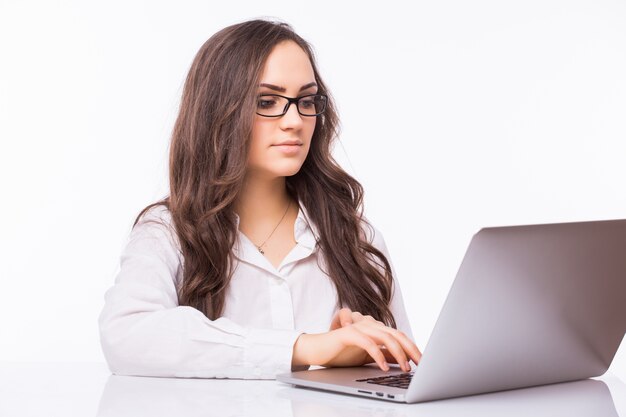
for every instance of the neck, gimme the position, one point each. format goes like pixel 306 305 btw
pixel 262 198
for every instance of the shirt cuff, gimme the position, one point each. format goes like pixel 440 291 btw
pixel 269 351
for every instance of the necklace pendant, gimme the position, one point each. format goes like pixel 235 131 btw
pixel 268 238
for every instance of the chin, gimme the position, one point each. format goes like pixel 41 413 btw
pixel 288 173
pixel 286 169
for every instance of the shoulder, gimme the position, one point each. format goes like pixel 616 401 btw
pixel 373 235
pixel 156 227
pixel 158 213
pixel 156 218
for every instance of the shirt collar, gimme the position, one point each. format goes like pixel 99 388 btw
pixel 305 231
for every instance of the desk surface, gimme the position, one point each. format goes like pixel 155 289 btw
pixel 88 389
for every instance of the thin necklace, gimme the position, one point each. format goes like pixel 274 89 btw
pixel 259 247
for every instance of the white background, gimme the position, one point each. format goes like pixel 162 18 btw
pixel 456 115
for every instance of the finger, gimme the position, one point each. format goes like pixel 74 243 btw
pixel 389 356
pixel 419 355
pixel 409 347
pixel 370 318
pixel 341 318
pixel 407 344
pixel 392 345
pixel 373 320
pixel 345 317
pixel 356 317
pixel 394 349
pixel 352 336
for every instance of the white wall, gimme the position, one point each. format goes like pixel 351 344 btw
pixel 456 115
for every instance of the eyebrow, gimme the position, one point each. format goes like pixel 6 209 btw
pixel 283 89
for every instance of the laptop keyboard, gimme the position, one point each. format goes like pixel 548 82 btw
pixel 397 381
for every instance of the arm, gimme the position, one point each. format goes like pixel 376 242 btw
pixel 143 330
pixel 355 339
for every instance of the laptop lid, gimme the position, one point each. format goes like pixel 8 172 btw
pixel 530 305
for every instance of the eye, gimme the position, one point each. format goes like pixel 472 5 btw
pixel 265 103
pixel 307 103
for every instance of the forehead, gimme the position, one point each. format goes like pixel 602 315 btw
pixel 288 66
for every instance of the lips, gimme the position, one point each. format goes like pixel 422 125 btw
pixel 288 147
pixel 289 143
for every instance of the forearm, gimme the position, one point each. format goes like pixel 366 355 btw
pixel 182 342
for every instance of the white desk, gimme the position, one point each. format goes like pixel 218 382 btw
pixel 75 389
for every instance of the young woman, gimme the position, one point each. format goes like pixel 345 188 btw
pixel 260 260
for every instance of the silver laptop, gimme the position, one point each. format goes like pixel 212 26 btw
pixel 530 305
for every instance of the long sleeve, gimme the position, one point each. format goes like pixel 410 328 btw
pixel 143 330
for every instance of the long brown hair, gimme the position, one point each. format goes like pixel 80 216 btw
pixel 207 164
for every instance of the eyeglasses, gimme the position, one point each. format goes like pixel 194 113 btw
pixel 275 105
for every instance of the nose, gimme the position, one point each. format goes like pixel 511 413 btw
pixel 292 119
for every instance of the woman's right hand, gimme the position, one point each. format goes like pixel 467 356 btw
pixel 356 343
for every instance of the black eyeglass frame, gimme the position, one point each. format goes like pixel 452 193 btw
pixel 295 101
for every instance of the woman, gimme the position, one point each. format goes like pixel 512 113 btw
pixel 242 270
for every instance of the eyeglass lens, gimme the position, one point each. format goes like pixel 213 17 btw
pixel 274 105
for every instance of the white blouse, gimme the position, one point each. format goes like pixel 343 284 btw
pixel 143 330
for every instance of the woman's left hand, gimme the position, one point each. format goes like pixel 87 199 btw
pixel 345 317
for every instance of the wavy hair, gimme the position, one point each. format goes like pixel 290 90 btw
pixel 207 165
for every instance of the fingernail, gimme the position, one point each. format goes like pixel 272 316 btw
pixel 385 366
pixel 408 366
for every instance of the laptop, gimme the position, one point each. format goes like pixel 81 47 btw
pixel 530 305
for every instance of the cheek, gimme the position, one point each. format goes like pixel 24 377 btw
pixel 310 127
pixel 261 137
pixel 260 132
pixel 259 142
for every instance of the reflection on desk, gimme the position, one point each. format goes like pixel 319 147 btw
pixel 574 399
pixel 136 396
pixel 84 389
